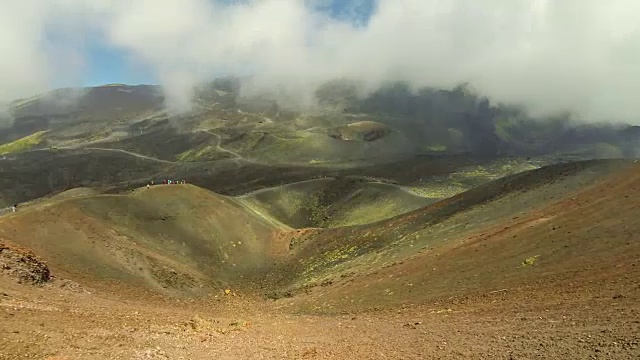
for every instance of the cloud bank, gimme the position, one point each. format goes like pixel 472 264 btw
pixel 552 55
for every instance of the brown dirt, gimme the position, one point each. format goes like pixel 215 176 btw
pixel 54 323
pixel 22 264
pixel 547 269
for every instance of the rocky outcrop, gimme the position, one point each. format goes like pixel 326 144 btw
pixel 360 131
pixel 23 265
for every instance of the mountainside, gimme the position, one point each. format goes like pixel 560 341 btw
pixel 190 240
pixel 396 224
pixel 555 216
pixel 390 122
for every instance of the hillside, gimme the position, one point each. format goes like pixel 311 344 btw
pixel 227 237
pixel 334 202
pixel 167 238
pixel 551 249
pixel 401 223
pixel 554 216
pixel 389 123
pixel 554 242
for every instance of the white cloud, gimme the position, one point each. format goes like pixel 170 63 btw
pixel 582 55
pixel 23 62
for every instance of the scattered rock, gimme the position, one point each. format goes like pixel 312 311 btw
pixel 72 286
pixel 156 353
pixel 199 325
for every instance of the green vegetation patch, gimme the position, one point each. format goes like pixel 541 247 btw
pixel 530 261
pixel 23 144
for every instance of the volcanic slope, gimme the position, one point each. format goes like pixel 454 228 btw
pixel 559 225
pixel 542 262
pixel 334 202
pixel 173 239
pixel 187 240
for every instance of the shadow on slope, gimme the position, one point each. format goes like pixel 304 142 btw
pixel 34 174
pixel 317 147
pixel 40 173
pixel 165 143
pixel 173 239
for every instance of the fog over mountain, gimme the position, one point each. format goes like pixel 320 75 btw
pixel 581 56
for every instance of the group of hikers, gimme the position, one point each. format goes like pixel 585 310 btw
pixel 173 182
pixel 167 182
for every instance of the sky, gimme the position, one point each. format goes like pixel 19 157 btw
pixel 550 55
pixel 110 64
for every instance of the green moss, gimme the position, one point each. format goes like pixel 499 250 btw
pixel 23 144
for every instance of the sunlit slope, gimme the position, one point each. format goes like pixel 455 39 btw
pixel 542 225
pixel 172 237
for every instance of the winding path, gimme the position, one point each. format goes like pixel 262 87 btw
pixel 132 154
pixel 260 191
pixel 237 156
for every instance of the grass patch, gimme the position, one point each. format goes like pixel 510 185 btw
pixel 23 144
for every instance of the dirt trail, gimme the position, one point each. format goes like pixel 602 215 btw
pixel 132 154
pixel 237 157
pixel 141 156
pixel 273 188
